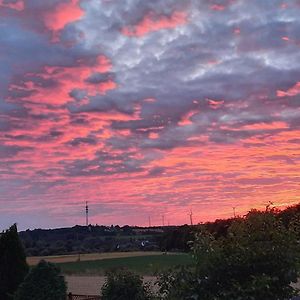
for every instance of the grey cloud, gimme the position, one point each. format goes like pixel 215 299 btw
pixel 156 171
pixel 8 151
pixel 83 140
pixel 105 164
pixel 97 78
pixel 78 94
pixel 198 61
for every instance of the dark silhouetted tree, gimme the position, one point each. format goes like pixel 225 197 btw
pixel 13 266
pixel 44 282
pixel 125 285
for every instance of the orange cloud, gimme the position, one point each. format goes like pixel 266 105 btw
pixel 186 119
pixel 266 126
pixel 152 22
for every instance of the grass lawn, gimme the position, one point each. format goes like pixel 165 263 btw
pixel 144 265
pixel 34 260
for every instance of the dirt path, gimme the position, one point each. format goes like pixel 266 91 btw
pixel 91 285
pixel 88 257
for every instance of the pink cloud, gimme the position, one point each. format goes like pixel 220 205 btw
pixel 266 126
pixel 19 5
pixel 241 152
pixel 63 14
pixel 214 104
pixel 186 119
pixel 293 91
pixel 152 22
pixel 217 7
pixel 237 31
pixel 67 78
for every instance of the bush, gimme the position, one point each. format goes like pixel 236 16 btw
pixel 13 266
pixel 125 285
pixel 44 282
pixel 256 260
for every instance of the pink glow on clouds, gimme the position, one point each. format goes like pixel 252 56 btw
pixel 63 14
pixel 237 31
pixel 144 137
pixel 293 91
pixel 68 78
pixel 19 5
pixel 186 119
pixel 152 22
pixel 214 104
pixel 264 126
pixel 217 7
pixel 284 5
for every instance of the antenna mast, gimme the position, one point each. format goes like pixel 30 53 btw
pixel 163 220
pixel 191 217
pixel 86 214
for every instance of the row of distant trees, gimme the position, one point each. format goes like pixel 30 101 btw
pixel 61 241
pixel 177 239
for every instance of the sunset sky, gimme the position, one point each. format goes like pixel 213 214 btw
pixel 147 108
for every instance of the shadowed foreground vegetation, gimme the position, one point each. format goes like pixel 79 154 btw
pixel 257 258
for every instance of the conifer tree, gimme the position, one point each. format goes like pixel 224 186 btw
pixel 13 266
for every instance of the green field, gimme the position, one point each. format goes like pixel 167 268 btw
pixel 144 265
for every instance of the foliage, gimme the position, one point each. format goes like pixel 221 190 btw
pixel 44 281
pixel 125 285
pixel 177 238
pixel 288 215
pixel 13 266
pixel 257 259
pixel 95 238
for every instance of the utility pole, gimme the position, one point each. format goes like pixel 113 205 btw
pixel 149 219
pixel 86 214
pixel 234 215
pixel 163 220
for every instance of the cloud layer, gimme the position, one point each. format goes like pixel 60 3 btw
pixel 147 108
